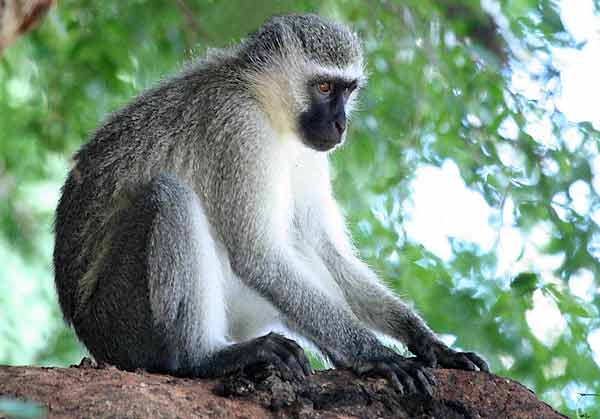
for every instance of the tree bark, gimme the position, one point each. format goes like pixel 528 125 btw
pixel 89 391
pixel 20 16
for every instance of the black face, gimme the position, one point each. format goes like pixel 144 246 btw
pixel 322 126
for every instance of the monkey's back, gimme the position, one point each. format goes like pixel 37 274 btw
pixel 149 136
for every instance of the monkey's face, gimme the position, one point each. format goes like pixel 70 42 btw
pixel 323 124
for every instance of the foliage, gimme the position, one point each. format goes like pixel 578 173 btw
pixel 442 95
pixel 22 410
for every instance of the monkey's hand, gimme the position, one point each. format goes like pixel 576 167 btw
pixel 438 355
pixel 405 375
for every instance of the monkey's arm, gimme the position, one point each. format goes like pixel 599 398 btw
pixel 379 308
pixel 283 279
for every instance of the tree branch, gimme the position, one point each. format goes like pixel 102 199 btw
pixel 88 391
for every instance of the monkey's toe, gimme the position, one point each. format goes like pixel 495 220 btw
pixel 404 375
pixel 283 354
pixel 468 361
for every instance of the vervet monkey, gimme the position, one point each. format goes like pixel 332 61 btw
pixel 201 216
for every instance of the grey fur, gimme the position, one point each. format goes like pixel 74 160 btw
pixel 187 174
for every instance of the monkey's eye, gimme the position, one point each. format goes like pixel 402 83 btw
pixel 325 87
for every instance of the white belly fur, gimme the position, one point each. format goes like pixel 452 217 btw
pixel 249 315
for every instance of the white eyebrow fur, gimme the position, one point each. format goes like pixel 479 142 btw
pixel 353 72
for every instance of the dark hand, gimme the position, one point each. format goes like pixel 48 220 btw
pixel 405 375
pixel 438 355
pixel 276 350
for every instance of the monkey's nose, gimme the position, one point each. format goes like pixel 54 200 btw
pixel 340 123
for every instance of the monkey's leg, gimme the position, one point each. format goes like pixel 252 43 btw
pixel 159 302
pixel 158 299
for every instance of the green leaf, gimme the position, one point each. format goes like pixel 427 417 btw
pixel 525 282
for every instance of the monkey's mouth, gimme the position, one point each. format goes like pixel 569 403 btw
pixel 324 145
pixel 324 139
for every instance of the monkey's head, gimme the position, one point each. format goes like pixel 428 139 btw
pixel 306 71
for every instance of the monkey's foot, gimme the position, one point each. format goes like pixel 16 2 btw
pixel 405 375
pixel 275 350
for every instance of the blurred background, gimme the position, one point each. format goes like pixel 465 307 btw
pixel 471 177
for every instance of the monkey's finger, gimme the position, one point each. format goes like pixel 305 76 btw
pixel 387 372
pixel 477 360
pixel 291 362
pixel 268 352
pixel 419 364
pixel 287 373
pixel 368 368
pixel 305 363
pixel 289 359
pixel 294 354
pixel 427 358
pixel 407 381
pixel 430 377
pixel 401 371
pixel 395 382
pixel 423 380
pixel 298 352
pixel 461 362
